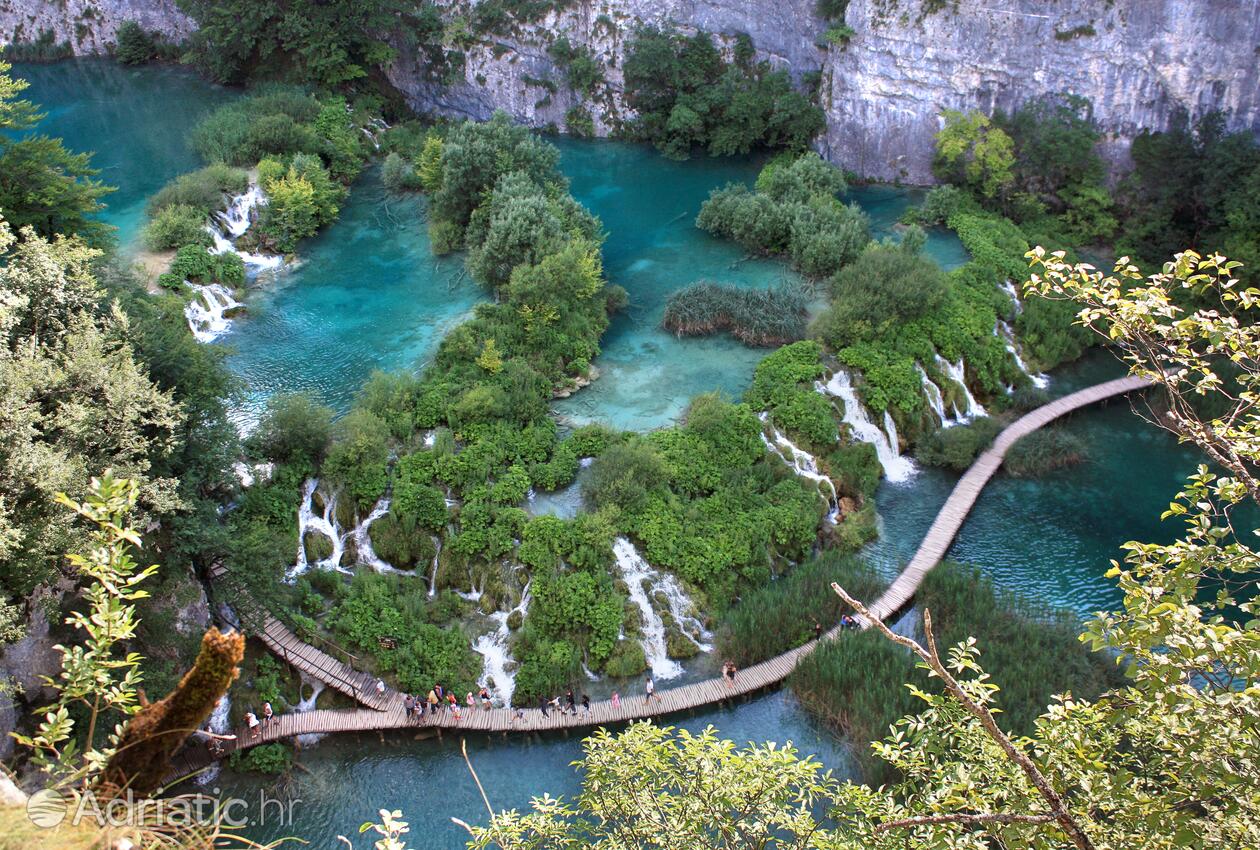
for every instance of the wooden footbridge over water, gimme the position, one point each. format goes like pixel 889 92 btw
pixel 383 708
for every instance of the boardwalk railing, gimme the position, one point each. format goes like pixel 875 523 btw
pixel 385 709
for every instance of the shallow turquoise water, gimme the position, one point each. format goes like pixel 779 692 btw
pixel 369 295
pixel 134 120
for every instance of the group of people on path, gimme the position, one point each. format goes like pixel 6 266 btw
pixel 440 698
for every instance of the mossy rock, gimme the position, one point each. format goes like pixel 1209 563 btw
pixel 627 659
pixel 345 513
pixel 678 645
pixel 632 618
pixel 515 620
pixel 317 503
pixel 318 547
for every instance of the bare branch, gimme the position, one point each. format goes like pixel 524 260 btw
pixel 1055 802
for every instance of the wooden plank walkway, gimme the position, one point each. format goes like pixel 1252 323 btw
pixel 385 711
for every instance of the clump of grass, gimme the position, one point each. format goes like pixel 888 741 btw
pixel 779 616
pixel 857 683
pixel 757 317
pixel 1045 451
pixel 45 48
pixel 957 447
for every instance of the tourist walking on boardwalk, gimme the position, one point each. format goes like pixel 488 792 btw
pixel 268 715
pixel 586 703
pixel 251 720
pixel 817 631
pixel 380 687
pixel 433 700
pixel 469 701
pixel 728 670
pixel 555 703
pixel 542 706
pixel 649 691
pixel 409 705
pixel 616 700
pixel 451 702
pixel 570 703
pixel 485 698
pixel 455 709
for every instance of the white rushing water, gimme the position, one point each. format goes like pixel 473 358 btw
pixel 1009 288
pixel 1040 379
pixel 497 671
pixel 803 463
pixel 935 400
pixel 957 372
pixel 226 226
pixel 327 526
pixel 308 704
pixel 896 467
pixel 205 312
pixel 637 572
pixel 219 725
pixel 433 568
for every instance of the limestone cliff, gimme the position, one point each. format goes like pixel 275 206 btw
pixel 1137 61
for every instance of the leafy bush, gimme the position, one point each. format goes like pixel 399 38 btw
pixel 205 189
pixel 358 459
pixel 299 203
pixel 133 45
pixel 196 264
pixel 277 121
pixel 625 476
pixel 177 225
pixel 274 758
pixel 397 174
pixel 958 447
pixel 294 430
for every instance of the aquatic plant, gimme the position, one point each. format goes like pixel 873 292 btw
pixel 759 317
pixel 1045 451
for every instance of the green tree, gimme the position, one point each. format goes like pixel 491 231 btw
pixel 972 152
pixel 42 185
pixel 133 45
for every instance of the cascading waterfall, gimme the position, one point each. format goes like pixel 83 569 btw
pixel 1009 288
pixel 205 312
pixel 896 467
pixel 308 704
pixel 957 373
pixel 327 526
pixel 803 463
pixel 218 724
pixel 433 569
pixel 935 400
pixel 636 571
pixel 226 226
pixel 1040 379
pixel 363 540
pixel 493 648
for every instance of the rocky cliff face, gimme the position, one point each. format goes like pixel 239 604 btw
pixel 89 25
pixel 1138 61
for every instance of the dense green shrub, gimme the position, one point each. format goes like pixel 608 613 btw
pixel 206 189
pixel 302 200
pixel 197 264
pixel 772 619
pixel 401 541
pixel 625 476
pixel 45 48
pixel 359 457
pixel 274 758
pixel 958 447
pixel 294 429
pixel 398 175
pixel 760 317
pixel 133 45
pixel 686 96
pixel 175 226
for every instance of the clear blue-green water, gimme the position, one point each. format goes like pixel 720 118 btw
pixel 368 294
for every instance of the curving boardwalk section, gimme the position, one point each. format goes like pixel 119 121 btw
pixel 385 710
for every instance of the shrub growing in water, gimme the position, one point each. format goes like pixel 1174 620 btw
pixel 761 317
pixel 958 447
pixel 205 189
pixel 175 226
pixel 1045 451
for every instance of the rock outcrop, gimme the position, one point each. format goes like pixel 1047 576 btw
pixel 1139 62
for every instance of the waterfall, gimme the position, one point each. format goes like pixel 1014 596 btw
pixel 249 475
pixel 1040 379
pixel 636 571
pixel 205 311
pixel 890 428
pixel 363 541
pixel 325 525
pixel 1009 288
pixel 493 648
pixel 219 725
pixel 957 373
pixel 308 704
pixel 935 400
pixel 896 467
pixel 226 226
pixel 437 552
pixel 803 463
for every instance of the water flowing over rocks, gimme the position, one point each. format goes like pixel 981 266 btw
pixel 1040 380
pixel 498 668
pixel 218 724
pixel 226 226
pixel 637 573
pixel 935 399
pixel 957 372
pixel 207 312
pixel 887 449
pixel 803 464
pixel 325 524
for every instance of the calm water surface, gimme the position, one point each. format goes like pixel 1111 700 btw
pixel 368 294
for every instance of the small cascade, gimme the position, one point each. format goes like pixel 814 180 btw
pixel 1009 288
pixel 636 572
pixel 896 467
pixel 226 226
pixel 935 400
pixel 308 704
pixel 433 570
pixel 205 312
pixel 250 475
pixel 803 463
pixel 363 540
pixel 957 373
pixel 1040 379
pixel 326 525
pixel 218 724
pixel 493 648
pixel 890 428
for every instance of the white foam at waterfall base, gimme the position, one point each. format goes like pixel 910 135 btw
pixel 496 656
pixel 308 704
pixel 803 463
pixel 636 571
pixel 957 373
pixel 1040 380
pixel 896 467
pixel 205 311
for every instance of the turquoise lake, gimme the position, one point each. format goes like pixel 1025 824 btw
pixel 368 294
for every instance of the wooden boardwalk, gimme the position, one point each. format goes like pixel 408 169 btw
pixel 386 711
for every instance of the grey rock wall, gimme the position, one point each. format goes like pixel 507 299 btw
pixel 89 25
